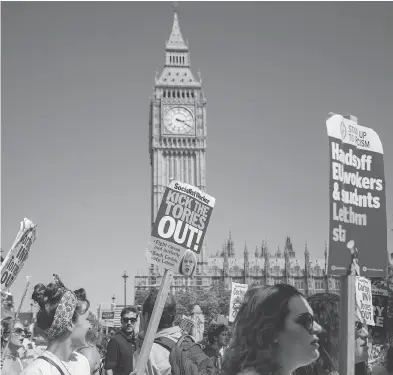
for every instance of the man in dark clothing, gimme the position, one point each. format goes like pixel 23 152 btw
pixel 218 338
pixel 121 348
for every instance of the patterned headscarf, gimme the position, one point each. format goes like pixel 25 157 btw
pixel 64 312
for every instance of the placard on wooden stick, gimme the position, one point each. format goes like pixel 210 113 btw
pixel 357 203
pixel 177 236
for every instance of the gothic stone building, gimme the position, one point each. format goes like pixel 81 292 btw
pixel 259 267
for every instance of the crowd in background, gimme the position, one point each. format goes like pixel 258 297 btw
pixel 276 331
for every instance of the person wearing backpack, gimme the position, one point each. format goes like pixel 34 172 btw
pixel 172 352
pixel 158 363
pixel 217 336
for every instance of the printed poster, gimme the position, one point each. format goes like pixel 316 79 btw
pixel 364 300
pixel 380 304
pixel 180 228
pixel 18 254
pixel 237 296
pixel 357 200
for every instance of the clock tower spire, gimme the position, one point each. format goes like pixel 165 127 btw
pixel 177 123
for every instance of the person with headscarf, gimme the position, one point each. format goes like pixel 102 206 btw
pixel 63 316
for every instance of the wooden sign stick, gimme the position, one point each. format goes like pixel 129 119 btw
pixel 154 321
pixel 347 325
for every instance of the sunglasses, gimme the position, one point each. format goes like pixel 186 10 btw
pixel 19 331
pixel 307 321
pixel 132 320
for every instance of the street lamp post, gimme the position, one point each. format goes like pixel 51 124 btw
pixel 125 277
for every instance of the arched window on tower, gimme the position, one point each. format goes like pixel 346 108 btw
pixel 188 94
pixel 169 94
pixel 182 94
pixel 164 94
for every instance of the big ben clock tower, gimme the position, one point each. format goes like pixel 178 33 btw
pixel 177 124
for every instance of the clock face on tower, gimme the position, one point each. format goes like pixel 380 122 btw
pixel 179 120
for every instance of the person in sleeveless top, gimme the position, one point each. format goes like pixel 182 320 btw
pixel 63 318
pixel 90 351
pixel 274 333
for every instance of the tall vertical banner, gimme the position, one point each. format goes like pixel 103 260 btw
pixel 18 254
pixel 237 297
pixel 180 228
pixel 357 200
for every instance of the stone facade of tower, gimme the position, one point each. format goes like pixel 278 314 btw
pixel 177 125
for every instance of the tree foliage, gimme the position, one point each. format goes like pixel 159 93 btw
pixel 213 301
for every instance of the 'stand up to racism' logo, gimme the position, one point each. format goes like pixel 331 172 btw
pixel 343 130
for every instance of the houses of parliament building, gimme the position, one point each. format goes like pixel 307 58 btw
pixel 177 148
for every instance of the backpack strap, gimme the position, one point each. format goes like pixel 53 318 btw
pixel 165 342
pixel 52 363
pixel 180 341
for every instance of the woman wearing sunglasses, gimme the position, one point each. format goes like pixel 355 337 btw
pixel 63 317
pixel 12 364
pixel 274 333
pixel 326 307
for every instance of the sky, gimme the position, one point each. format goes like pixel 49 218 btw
pixel 76 82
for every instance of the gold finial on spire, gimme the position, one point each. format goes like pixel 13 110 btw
pixel 175 5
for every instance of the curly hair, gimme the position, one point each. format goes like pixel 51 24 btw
pixel 260 317
pixel 48 298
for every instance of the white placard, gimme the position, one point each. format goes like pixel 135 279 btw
pixel 237 296
pixel 364 300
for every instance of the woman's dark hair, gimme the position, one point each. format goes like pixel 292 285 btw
pixel 326 312
pixel 260 318
pixel 6 325
pixel 169 312
pixel 48 298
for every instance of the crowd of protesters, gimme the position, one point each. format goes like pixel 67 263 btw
pixel 276 331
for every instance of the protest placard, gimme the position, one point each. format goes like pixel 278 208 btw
pixel 358 229
pixel 364 300
pixel 179 229
pixel 107 315
pixel 186 324
pixel 180 225
pixel 237 296
pixel 18 254
pixel 380 303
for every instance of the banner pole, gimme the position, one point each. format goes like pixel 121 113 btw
pixel 154 321
pixel 347 325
